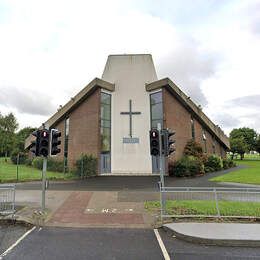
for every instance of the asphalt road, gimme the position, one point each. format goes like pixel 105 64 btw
pixel 9 233
pixel 72 243
pixel 112 183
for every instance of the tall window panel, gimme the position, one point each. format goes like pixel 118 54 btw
pixel 66 143
pixel 105 122
pixel 213 145
pixel 156 109
pixel 204 139
pixel 105 132
pixel 192 128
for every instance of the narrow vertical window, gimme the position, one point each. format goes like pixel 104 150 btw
pixel 66 143
pixel 156 108
pixel 105 132
pixel 192 128
pixel 204 139
pixel 213 145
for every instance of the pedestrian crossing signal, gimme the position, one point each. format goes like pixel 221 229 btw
pixel 154 142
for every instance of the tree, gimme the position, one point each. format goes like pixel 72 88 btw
pixel 238 145
pixel 248 134
pixel 8 126
pixel 21 136
pixel 257 146
pixel 195 149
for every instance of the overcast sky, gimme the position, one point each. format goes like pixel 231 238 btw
pixel 49 50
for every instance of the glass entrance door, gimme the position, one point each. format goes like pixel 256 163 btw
pixel 155 164
pixel 105 163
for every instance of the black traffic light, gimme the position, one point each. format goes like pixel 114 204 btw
pixel 34 147
pixel 44 142
pixel 55 142
pixel 170 142
pixel 154 142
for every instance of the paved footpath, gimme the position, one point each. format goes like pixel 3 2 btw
pixel 88 208
pixel 99 209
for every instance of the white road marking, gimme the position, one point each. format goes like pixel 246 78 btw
pixel 161 244
pixel 16 243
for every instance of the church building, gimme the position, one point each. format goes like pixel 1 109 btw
pixel 111 117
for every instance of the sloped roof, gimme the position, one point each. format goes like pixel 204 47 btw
pixel 74 101
pixel 195 110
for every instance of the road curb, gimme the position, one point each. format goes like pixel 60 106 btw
pixel 8 221
pixel 237 184
pixel 215 242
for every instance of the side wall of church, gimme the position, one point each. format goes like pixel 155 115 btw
pixel 178 118
pixel 84 130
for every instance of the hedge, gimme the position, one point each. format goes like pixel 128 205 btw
pixel 86 166
pixel 52 164
pixel 187 166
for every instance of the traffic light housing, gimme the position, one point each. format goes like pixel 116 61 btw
pixel 55 142
pixel 154 142
pixel 169 142
pixel 44 142
pixel 34 147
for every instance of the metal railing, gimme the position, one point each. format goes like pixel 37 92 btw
pixel 216 198
pixel 7 199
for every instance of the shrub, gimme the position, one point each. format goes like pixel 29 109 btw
pixel 228 163
pixel 214 163
pixel 208 169
pixel 52 164
pixel 193 148
pixel 187 166
pixel 22 157
pixel 86 166
pixel 37 162
pixel 28 162
pixel 55 165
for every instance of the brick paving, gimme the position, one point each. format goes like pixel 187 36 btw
pixel 73 212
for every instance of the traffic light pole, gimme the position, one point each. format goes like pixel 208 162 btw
pixel 162 166
pixel 44 168
pixel 162 170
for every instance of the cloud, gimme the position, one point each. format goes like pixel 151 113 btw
pixel 226 120
pixel 252 101
pixel 253 120
pixel 253 12
pixel 188 65
pixel 26 101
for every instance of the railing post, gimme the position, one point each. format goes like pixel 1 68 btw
pixel 13 206
pixel 161 201
pixel 216 200
pixel 17 166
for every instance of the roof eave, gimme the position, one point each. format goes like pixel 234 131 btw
pixel 74 101
pixel 191 106
pixel 69 106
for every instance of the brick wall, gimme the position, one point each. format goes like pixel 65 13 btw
pixel 84 129
pixel 178 118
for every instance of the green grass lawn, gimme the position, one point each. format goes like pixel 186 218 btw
pixel 26 173
pixel 249 175
pixel 197 207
